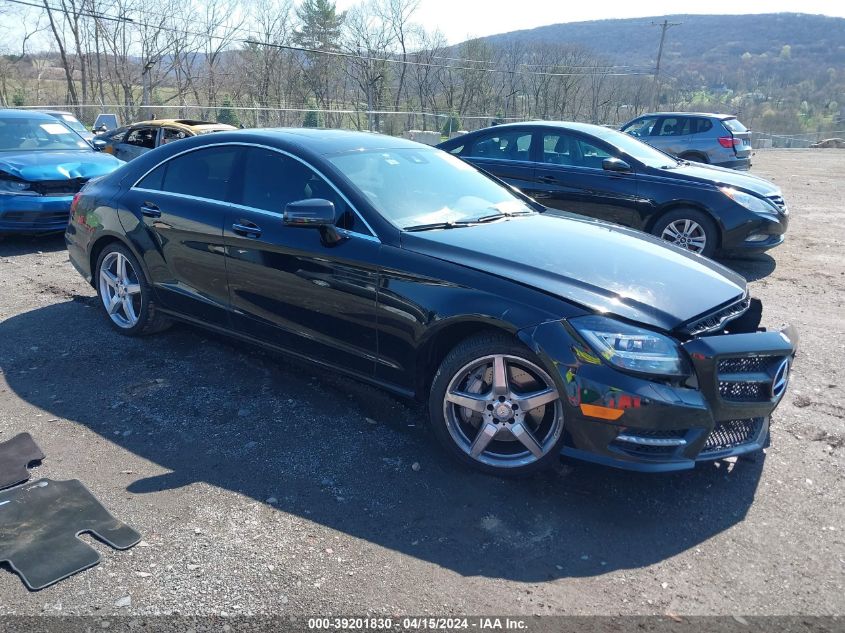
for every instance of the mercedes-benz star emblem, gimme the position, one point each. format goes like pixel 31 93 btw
pixel 780 379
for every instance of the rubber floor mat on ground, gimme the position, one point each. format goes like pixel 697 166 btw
pixel 15 455
pixel 39 525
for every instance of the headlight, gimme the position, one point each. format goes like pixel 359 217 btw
pixel 752 203
pixel 9 186
pixel 630 347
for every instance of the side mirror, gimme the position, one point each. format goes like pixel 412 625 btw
pixel 314 213
pixel 99 144
pixel 616 164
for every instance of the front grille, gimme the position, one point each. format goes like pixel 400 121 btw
pixel 732 433
pixel 743 365
pixel 779 202
pixel 718 319
pixel 58 187
pixel 742 391
pixel 747 378
pixel 35 218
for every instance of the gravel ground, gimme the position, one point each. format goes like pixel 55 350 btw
pixel 265 486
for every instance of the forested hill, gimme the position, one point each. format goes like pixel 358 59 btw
pixel 813 39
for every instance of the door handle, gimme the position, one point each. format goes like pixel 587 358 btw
pixel 150 210
pixel 247 229
pixel 547 179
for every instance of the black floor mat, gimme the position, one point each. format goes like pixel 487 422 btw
pixel 39 523
pixel 15 456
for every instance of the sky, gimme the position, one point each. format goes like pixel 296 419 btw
pixel 461 19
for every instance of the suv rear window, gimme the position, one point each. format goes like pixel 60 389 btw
pixel 734 125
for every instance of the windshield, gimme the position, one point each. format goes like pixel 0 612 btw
pixel 414 187
pixel 642 152
pixel 73 123
pixel 18 133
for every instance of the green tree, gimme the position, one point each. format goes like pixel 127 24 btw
pixel 320 25
pixel 312 118
pixel 18 98
pixel 227 114
pixel 452 124
pixel 786 52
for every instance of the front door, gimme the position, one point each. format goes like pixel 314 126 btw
pixel 570 177
pixel 287 286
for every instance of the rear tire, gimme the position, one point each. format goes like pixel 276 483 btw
pixel 495 408
pixel 690 229
pixel 125 294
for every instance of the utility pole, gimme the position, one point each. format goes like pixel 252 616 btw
pixel 664 26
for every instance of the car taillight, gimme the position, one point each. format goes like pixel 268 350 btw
pixel 74 202
pixel 729 141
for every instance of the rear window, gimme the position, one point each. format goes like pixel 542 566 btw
pixel 734 125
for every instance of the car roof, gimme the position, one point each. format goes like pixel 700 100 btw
pixel 712 115
pixel 186 123
pixel 320 140
pixel 587 128
pixel 24 114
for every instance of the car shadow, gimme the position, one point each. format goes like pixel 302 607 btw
pixel 14 245
pixel 348 455
pixel 752 267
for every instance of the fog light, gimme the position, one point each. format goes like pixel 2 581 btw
pixel 757 237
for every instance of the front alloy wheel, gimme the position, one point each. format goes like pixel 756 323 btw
pixel 687 234
pixel 501 411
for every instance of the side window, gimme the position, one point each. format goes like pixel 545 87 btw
pixel 700 126
pixel 118 136
pixel 204 173
pixel 169 134
pixel 505 145
pixel 565 149
pixel 641 127
pixel 273 180
pixel 457 150
pixel 142 137
pixel 559 149
pixel 673 126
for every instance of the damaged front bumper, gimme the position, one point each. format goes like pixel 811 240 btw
pixel 721 410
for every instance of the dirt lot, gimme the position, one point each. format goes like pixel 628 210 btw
pixel 264 486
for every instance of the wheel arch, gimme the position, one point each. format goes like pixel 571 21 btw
pixel 675 205
pixel 101 243
pixel 700 155
pixel 439 342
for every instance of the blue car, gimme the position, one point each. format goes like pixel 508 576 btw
pixel 43 164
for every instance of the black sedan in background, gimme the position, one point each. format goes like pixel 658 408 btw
pixel 528 334
pixel 605 174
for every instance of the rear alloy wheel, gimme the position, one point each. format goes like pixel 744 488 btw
pixel 690 229
pixel 124 293
pixel 495 408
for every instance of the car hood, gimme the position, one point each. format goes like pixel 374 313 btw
pixel 721 176
pixel 603 267
pixel 45 165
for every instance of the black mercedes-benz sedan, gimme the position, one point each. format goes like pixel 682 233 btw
pixel 528 334
pixel 606 174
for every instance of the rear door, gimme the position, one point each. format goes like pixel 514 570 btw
pixel 505 153
pixel 570 177
pixel 289 288
pixel 138 140
pixel 741 135
pixel 181 206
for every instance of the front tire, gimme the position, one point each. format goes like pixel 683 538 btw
pixel 690 229
pixel 495 408
pixel 125 294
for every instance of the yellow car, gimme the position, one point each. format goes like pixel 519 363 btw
pixel 130 141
